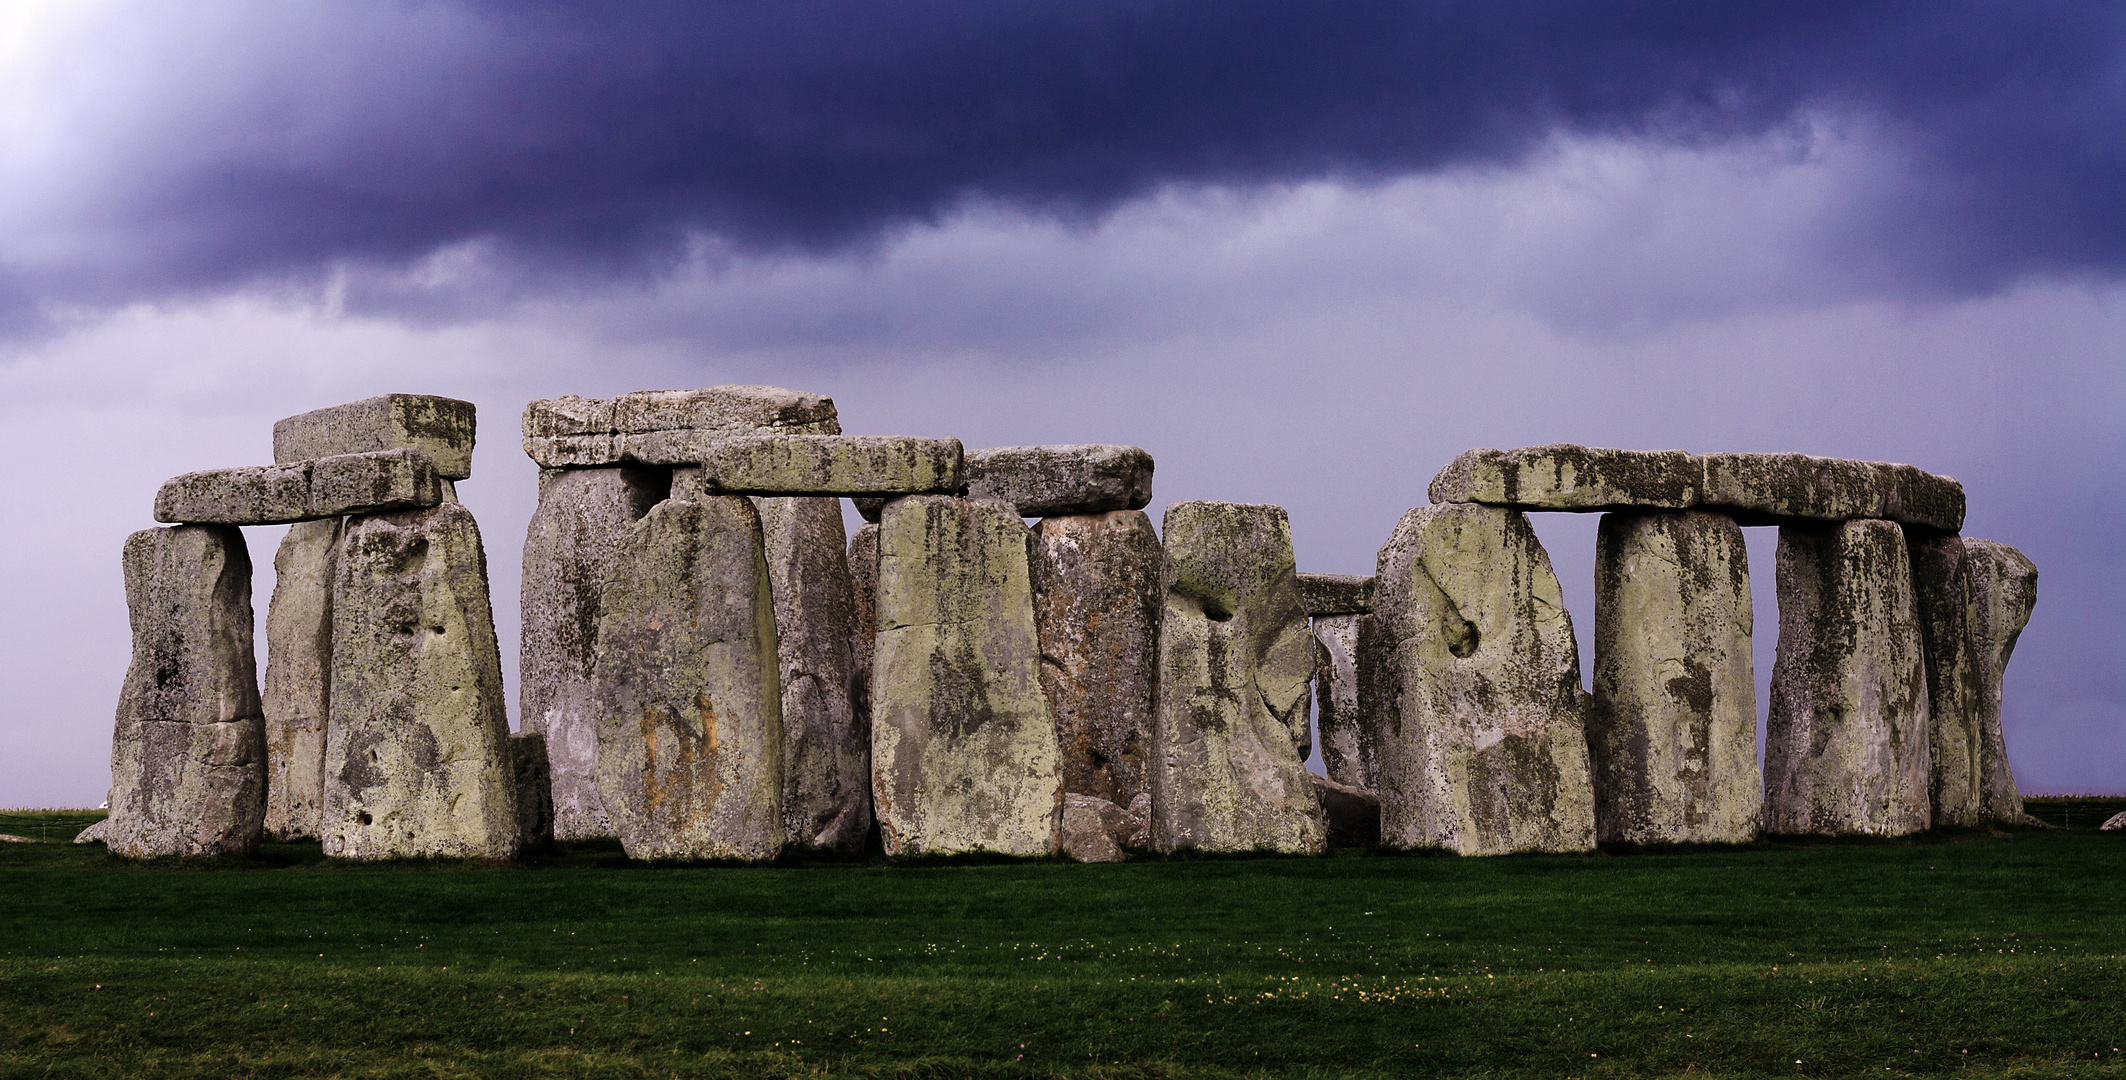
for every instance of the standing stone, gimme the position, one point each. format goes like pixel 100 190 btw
pixel 568 551
pixel 1472 680
pixel 1350 751
pixel 1974 597
pixel 1846 744
pixel 687 693
pixel 534 779
pixel 298 687
pixel 1672 727
pixel 963 747
pixel 417 754
pixel 2003 594
pixel 1096 605
pixel 826 797
pixel 863 580
pixel 188 755
pixel 1235 666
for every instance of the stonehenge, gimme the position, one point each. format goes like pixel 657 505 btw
pixel 1008 658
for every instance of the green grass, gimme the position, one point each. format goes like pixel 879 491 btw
pixel 1975 954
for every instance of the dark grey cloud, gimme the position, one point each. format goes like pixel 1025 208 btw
pixel 587 143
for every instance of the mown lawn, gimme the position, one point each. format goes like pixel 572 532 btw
pixel 1980 954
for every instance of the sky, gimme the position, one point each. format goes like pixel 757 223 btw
pixel 1302 253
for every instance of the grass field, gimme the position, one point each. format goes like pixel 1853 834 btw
pixel 1977 954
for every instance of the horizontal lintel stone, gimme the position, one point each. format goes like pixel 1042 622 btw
pixel 838 465
pixel 1335 594
pixel 1052 481
pixel 328 487
pixel 666 427
pixel 441 427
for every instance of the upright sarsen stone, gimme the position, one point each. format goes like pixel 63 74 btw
pixel 188 752
pixel 964 754
pixel 1472 682
pixel 1350 751
pixel 863 580
pixel 1235 666
pixel 687 689
pixel 417 755
pixel 1096 606
pixel 826 797
pixel 2003 594
pixel 1672 727
pixel 298 686
pixel 1974 597
pixel 1847 743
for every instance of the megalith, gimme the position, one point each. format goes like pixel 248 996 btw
pixel 1096 608
pixel 1471 678
pixel 2003 595
pixel 826 797
pixel 687 688
pixel 1350 751
pixel 188 756
pixel 1974 596
pixel 1672 725
pixel 1236 663
pixel 964 755
pixel 1846 741
pixel 863 580
pixel 298 687
pixel 417 753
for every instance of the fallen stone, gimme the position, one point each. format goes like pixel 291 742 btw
pixel 11 838
pixel 188 755
pixel 533 778
pixel 297 693
pixel 964 754
pixel 417 754
pixel 304 491
pixel 1335 594
pixel 1846 743
pixel 666 427
pixel 1095 830
pixel 440 427
pixel 2114 823
pixel 1096 609
pixel 94 834
pixel 1672 726
pixel 826 796
pixel 1350 751
pixel 834 465
pixel 2003 595
pixel 1236 663
pixel 1353 813
pixel 1048 481
pixel 688 695
pixel 568 551
pixel 1469 671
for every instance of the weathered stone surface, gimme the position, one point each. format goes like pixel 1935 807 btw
pixel 94 834
pixel 303 491
pixel 417 753
pixel 298 689
pixel 440 427
pixel 1672 726
pixel 1047 481
pixel 1096 830
pixel 964 754
pixel 188 755
pixel 1471 677
pixel 831 465
pixel 533 777
pixel 1350 751
pixel 1846 743
pixel 863 582
pixel 1562 476
pixel 1096 607
pixel 1335 594
pixel 1771 488
pixel 666 427
pixel 1941 582
pixel 688 693
pixel 2112 824
pixel 1353 813
pixel 870 507
pixel 1235 666
pixel 568 551
pixel 826 796
pixel 2003 594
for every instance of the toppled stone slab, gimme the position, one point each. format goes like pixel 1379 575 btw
pixel 1470 673
pixel 1350 751
pixel 1756 488
pixel 94 834
pixel 1353 813
pixel 533 778
pixel 1672 726
pixel 1096 830
pixel 297 692
pixel 188 755
pixel 303 491
pixel 417 753
pixel 964 755
pixel 826 797
pixel 440 427
pixel 2114 823
pixel 688 694
pixel 1046 481
pixel 1846 743
pixel 666 427
pixel 834 465
pixel 11 838
pixel 1335 594
pixel 1096 606
pixel 1236 664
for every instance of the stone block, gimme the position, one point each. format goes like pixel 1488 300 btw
pixel 1470 673
pixel 303 491
pixel 188 755
pixel 870 507
pixel 863 582
pixel 1350 751
pixel 964 755
pixel 826 796
pixel 836 465
pixel 533 776
pixel 1562 476
pixel 1672 726
pixel 1047 481
pixel 417 753
pixel 1335 594
pixel 1847 743
pixel 1096 607
pixel 1941 584
pixel 1236 663
pixel 2003 591
pixel 688 691
pixel 666 427
pixel 440 427
pixel 298 688
pixel 1095 830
